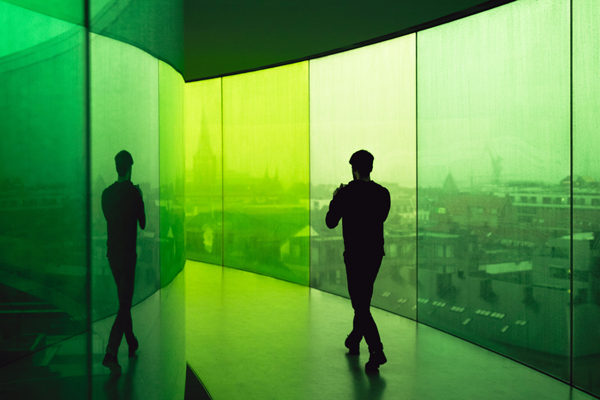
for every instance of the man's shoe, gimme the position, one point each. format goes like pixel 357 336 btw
pixel 112 363
pixel 376 359
pixel 354 348
pixel 133 348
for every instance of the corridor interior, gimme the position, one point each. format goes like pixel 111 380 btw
pixel 250 336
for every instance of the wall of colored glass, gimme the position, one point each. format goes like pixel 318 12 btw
pixel 73 95
pixel 483 129
pixel 365 99
pixel 494 164
pixel 585 271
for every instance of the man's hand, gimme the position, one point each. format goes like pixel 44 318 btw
pixel 338 189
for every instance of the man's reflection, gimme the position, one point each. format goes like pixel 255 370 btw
pixel 123 208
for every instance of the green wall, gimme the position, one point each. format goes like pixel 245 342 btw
pixel 493 131
pixel 155 26
pixel 476 127
pixel 474 134
pixel 43 262
pixel 172 164
pixel 124 110
pixel 586 214
pixel 71 99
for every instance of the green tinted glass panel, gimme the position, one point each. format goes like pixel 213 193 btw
pixel 124 116
pixel 366 99
pixel 203 171
pixel 30 32
pixel 265 169
pixel 43 263
pixel 493 166
pixel 172 240
pixel 586 194
pixel 66 10
pixel 170 329
pixel 156 26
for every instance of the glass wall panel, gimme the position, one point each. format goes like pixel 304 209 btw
pixel 156 26
pixel 43 261
pixel 171 330
pixel 266 172
pixel 65 10
pixel 204 171
pixel 172 240
pixel 493 171
pixel 124 116
pixel 586 192
pixel 366 99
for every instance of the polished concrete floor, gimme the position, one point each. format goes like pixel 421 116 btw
pixel 254 337
pixel 157 372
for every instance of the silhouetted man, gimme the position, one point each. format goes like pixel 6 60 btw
pixel 363 206
pixel 123 207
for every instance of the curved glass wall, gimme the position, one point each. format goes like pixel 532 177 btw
pixel 265 172
pixel 43 263
pixel 155 26
pixel 480 241
pixel 124 116
pixel 586 195
pixel 494 142
pixel 204 171
pixel 477 130
pixel 172 179
pixel 365 99
pixel 58 294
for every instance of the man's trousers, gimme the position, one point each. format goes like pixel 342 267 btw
pixel 361 271
pixel 123 270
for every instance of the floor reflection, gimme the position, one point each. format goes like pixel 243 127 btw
pixel 60 371
pixel 366 386
pixel 120 386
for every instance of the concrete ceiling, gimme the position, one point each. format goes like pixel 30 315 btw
pixel 228 36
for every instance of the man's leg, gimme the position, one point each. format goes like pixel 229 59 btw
pixel 353 279
pixel 126 297
pixel 123 269
pixel 361 273
pixel 371 332
pixel 116 332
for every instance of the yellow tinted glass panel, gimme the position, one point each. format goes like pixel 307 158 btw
pixel 265 168
pixel 203 171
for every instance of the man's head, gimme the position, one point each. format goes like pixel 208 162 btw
pixel 124 161
pixel 362 162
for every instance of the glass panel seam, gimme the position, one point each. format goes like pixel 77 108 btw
pixel 309 176
pixel 417 176
pixel 571 266
pixel 88 193
pixel 222 179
